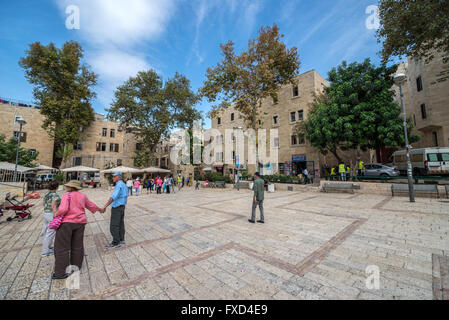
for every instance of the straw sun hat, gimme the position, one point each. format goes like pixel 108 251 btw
pixel 74 184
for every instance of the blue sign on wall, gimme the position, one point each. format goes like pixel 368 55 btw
pixel 299 159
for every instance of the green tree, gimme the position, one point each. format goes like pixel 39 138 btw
pixel 8 150
pixel 152 109
pixel 245 80
pixel 62 89
pixel 414 28
pixel 357 110
pixel 64 152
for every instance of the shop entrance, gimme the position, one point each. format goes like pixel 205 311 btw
pixel 300 163
pixel 298 167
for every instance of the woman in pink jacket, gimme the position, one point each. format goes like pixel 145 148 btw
pixel 69 244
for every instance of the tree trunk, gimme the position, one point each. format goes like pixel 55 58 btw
pixel 254 124
pixel 334 152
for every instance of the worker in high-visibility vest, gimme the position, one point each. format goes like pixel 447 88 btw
pixel 348 173
pixel 361 167
pixel 342 171
pixel 333 173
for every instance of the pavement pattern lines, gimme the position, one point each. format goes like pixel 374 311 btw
pixel 199 245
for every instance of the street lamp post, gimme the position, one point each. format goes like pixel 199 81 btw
pixel 21 122
pixel 399 79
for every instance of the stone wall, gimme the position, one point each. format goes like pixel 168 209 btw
pixel 13 188
pixel 309 85
pixel 36 137
pixel 96 158
pixel 383 189
pixel 434 96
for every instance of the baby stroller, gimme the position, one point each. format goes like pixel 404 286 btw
pixel 22 211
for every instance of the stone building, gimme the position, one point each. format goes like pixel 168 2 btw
pixel 105 144
pixel 294 152
pixel 33 136
pixel 426 97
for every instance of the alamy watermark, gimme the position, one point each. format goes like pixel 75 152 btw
pixel 373 21
pixel 228 147
pixel 73 281
pixel 373 277
pixel 73 20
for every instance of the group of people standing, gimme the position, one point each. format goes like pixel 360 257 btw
pixel 158 184
pixel 304 175
pixel 344 170
pixel 68 237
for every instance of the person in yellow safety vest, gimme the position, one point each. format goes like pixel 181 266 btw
pixel 348 173
pixel 361 167
pixel 342 171
pixel 179 182
pixel 333 173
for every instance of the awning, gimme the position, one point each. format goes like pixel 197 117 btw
pixel 123 170
pixel 43 168
pixel 207 169
pixel 11 167
pixel 155 170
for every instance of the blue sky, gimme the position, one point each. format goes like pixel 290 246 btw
pixel 122 37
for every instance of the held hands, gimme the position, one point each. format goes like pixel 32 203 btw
pixel 102 210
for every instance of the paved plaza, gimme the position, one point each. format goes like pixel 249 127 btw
pixel 199 245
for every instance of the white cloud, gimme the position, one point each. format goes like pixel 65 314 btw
pixel 337 9
pixel 244 12
pixel 115 67
pixel 121 22
pixel 250 15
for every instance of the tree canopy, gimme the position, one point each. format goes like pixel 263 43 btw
pixel 152 109
pixel 357 110
pixel 245 80
pixel 414 28
pixel 62 89
pixel 8 149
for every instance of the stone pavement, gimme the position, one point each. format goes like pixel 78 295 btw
pixel 199 245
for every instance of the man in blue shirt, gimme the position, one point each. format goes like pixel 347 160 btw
pixel 117 201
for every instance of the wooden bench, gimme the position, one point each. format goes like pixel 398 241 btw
pixel 339 187
pixel 420 188
pixel 242 185
pixel 220 184
pixel 447 190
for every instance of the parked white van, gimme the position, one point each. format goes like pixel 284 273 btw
pixel 426 161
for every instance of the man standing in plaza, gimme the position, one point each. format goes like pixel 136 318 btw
pixel 259 193
pixel 130 184
pixel 179 182
pixel 171 182
pixel 117 201
pixel 361 167
pixel 342 171
pixel 306 176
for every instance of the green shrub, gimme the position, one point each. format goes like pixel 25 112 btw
pixel 59 177
pixel 214 177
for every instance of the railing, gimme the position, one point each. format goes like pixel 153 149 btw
pixel 17 103
pixel 384 179
pixel 23 188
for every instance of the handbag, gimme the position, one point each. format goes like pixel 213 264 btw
pixel 55 223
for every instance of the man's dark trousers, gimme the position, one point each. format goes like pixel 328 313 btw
pixel 118 224
pixel 255 204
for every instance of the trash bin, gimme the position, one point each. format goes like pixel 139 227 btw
pixel 271 188
pixel 251 185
